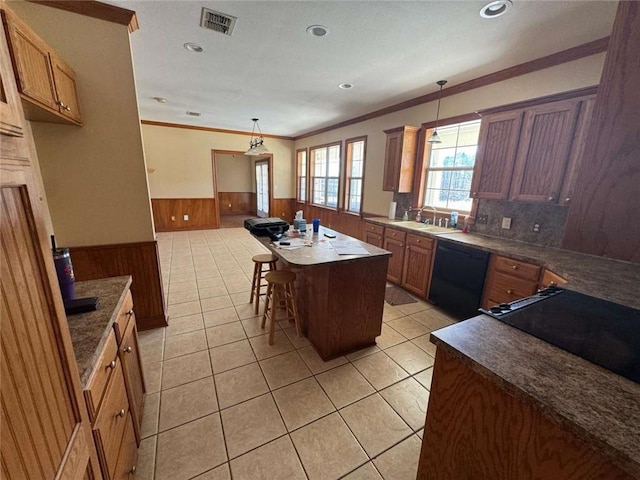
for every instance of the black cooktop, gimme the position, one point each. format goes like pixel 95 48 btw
pixel 602 332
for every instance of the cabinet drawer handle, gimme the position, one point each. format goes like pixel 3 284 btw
pixel 515 267
pixel 567 200
pixel 127 350
pixel 550 199
pixel 122 413
pixel 129 313
pixel 133 470
pixel 418 241
pixel 509 292
pixel 112 365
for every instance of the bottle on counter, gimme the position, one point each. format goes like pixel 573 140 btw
pixel 419 216
pixel 405 217
pixel 454 219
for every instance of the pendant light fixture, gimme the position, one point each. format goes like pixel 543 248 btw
pixel 434 136
pixel 256 144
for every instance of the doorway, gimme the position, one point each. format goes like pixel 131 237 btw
pixel 242 187
pixel 262 188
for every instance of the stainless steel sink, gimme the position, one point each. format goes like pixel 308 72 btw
pixel 436 229
pixel 413 225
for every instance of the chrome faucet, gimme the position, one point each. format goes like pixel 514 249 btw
pixel 434 213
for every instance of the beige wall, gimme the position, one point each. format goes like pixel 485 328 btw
pixel 181 159
pixel 569 76
pixel 94 176
pixel 234 173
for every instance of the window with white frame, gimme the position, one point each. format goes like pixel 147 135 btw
pixel 301 175
pixel 356 148
pixel 449 167
pixel 325 175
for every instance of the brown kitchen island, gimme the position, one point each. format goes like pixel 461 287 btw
pixel 340 297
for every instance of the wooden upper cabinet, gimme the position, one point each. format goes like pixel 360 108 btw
pixel 31 62
pixel 46 82
pixel 400 159
pixel 577 150
pixel 10 112
pixel 543 151
pixel 67 88
pixel 497 148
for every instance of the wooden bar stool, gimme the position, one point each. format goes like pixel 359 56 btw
pixel 256 284
pixel 280 287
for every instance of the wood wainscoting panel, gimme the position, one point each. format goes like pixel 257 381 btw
pixel 140 260
pixel 285 208
pixel 347 223
pixel 474 429
pixel 237 203
pixel 201 212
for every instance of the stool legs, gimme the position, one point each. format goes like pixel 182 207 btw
pixel 280 295
pixel 291 299
pixel 256 275
pixel 256 282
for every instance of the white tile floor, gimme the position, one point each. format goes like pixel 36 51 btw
pixel 222 403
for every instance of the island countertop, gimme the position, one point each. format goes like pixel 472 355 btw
pixel 90 330
pixel 320 250
pixel 595 404
pixel 609 279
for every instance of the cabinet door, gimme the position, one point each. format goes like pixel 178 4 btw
pixel 392 159
pixel 45 431
pixel 66 88
pixel 543 152
pixel 374 239
pixel 396 262
pixel 417 269
pixel 132 366
pixel 31 61
pixel 10 112
pixel 497 147
pixel 577 151
pixel 109 427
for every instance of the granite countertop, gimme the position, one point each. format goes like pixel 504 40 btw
pixel 320 251
pixel 90 330
pixel 595 404
pixel 613 280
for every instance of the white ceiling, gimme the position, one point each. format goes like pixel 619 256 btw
pixel 391 51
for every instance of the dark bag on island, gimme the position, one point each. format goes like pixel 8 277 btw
pixel 272 227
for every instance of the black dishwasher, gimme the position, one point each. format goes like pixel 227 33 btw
pixel 458 278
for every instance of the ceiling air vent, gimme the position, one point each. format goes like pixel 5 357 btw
pixel 193 114
pixel 218 22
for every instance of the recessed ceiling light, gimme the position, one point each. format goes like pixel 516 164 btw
pixel 345 86
pixel 160 99
pixel 193 47
pixel 495 9
pixel 317 30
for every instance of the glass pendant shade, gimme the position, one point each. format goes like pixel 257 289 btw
pixel 260 149
pixel 256 144
pixel 435 138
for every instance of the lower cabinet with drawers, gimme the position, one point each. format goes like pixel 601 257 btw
pixel 508 280
pixel 418 262
pixel 394 240
pixel 374 234
pixel 114 395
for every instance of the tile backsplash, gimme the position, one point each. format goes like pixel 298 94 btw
pixel 551 218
